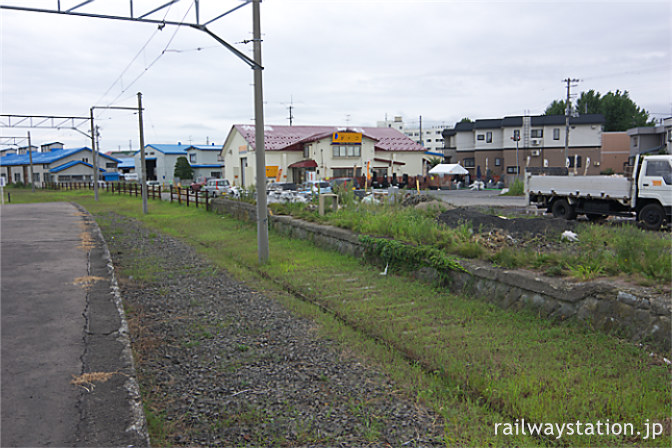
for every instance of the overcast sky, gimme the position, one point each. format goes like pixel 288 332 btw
pixel 338 62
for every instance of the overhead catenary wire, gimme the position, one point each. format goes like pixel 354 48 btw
pixel 149 66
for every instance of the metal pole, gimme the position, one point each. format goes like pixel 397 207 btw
pixel 93 152
pixel 517 163
pixel 262 211
pixel 30 157
pixel 143 186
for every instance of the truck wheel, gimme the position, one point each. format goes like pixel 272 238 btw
pixel 562 209
pixel 652 216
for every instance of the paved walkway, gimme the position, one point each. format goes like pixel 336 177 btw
pixel 483 198
pixel 60 319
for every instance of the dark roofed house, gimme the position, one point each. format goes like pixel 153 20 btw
pixel 503 147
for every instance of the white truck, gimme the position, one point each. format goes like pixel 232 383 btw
pixel 645 193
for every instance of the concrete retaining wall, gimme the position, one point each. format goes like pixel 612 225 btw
pixel 638 314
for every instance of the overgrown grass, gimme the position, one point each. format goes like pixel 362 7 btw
pixel 640 256
pixel 475 364
pixel 517 188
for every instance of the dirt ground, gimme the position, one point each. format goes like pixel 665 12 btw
pixel 520 228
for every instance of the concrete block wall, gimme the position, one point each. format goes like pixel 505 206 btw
pixel 638 314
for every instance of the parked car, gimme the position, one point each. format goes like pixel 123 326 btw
pixel 315 187
pixel 198 185
pixel 281 186
pixel 101 184
pixel 153 183
pixel 217 187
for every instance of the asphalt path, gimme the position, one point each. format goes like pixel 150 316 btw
pixel 478 198
pixel 60 319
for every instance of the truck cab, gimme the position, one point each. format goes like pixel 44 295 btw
pixel 653 198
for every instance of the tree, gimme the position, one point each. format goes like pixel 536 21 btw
pixel 433 161
pixel 556 108
pixel 466 120
pixel 182 169
pixel 589 103
pixel 620 112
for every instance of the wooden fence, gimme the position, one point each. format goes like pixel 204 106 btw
pixel 175 194
pixel 186 196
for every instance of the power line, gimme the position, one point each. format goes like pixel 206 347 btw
pixel 146 69
pixel 120 77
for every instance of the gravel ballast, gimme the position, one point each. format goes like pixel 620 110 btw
pixel 220 364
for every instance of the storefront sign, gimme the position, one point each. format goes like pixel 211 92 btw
pixel 350 138
pixel 271 170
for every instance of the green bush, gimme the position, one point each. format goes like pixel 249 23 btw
pixel 517 188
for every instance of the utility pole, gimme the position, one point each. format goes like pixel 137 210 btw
pixel 93 156
pixel 30 157
pixel 95 163
pixel 262 210
pixel 143 186
pixel 291 109
pixel 568 110
pixel 421 144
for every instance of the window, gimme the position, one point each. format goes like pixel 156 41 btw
pixel 537 133
pixel 429 140
pixel 635 141
pixel 516 135
pixel 498 161
pixel 660 168
pixel 346 172
pixel 215 174
pixel 488 137
pixel 512 169
pixel 346 151
pixel 192 158
pixel 64 178
pixel 574 158
pixel 556 133
pixel 480 137
pixel 36 177
pixel 17 177
pixel 110 165
pixel 85 159
pixel 469 162
pixel 306 151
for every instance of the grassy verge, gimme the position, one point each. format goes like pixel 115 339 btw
pixel 602 251
pixel 475 364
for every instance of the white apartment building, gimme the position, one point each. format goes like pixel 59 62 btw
pixel 430 137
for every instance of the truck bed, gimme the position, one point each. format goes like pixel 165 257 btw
pixel 606 187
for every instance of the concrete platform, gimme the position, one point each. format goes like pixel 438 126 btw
pixel 62 321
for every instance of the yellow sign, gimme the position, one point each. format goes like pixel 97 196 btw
pixel 271 170
pixel 346 137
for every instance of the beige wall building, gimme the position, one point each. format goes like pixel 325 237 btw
pixel 329 151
